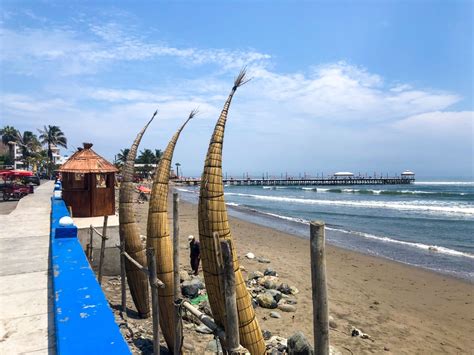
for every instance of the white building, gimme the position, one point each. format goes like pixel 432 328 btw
pixel 56 154
pixel 407 174
pixel 17 155
pixel 343 174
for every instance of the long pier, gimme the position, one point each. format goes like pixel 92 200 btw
pixel 333 181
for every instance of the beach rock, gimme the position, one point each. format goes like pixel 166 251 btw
pixel 273 279
pixel 191 287
pixel 287 308
pixel 284 288
pixel 189 347
pixel 266 300
pixel 270 284
pixel 332 322
pixel 266 334
pixel 276 345
pixel 359 333
pixel 291 301
pixel 255 275
pixel 299 345
pixel 203 329
pixel 250 256
pixel 263 260
pixel 196 280
pixel 276 294
pixel 281 349
pixel 189 291
pixel 184 276
pixel 269 272
pixel 275 314
pixel 214 346
pixel 254 303
pixel 294 290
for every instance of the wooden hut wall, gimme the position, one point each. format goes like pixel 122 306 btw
pixel 76 193
pixel 103 194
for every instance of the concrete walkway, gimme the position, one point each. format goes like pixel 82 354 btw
pixel 26 304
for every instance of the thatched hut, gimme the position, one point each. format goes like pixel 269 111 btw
pixel 88 183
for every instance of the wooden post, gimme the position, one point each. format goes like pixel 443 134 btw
pixel 232 342
pixel 150 253
pixel 89 246
pixel 177 318
pixel 102 248
pixel 318 280
pixel 123 276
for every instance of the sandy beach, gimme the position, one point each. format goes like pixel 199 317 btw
pixel 405 310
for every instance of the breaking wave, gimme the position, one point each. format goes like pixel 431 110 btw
pixel 430 248
pixel 421 206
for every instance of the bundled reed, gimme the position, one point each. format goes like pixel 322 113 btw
pixel 129 232
pixel 213 218
pixel 158 237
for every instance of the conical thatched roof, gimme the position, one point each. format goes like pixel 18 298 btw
pixel 87 161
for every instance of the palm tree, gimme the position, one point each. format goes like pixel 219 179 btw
pixel 29 144
pixel 158 155
pixel 122 156
pixel 52 135
pixel 9 134
pixel 146 157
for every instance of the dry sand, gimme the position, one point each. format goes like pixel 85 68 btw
pixel 405 310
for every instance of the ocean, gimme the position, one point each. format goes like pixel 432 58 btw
pixel 425 224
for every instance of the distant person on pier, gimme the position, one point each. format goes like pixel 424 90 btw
pixel 194 254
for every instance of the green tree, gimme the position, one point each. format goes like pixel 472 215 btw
pixel 146 157
pixel 122 156
pixel 29 144
pixel 9 134
pixel 52 135
pixel 158 155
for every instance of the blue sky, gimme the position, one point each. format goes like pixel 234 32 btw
pixel 361 86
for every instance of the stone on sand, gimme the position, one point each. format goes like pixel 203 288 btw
pixel 287 308
pixel 275 314
pixel 266 300
pixel 299 345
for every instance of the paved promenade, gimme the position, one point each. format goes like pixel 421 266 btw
pixel 26 304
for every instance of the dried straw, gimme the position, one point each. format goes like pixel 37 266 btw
pixel 158 237
pixel 129 232
pixel 213 218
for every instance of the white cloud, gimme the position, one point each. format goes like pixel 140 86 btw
pixel 448 124
pixel 71 53
pixel 339 92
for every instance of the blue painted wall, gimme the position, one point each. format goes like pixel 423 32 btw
pixel 84 321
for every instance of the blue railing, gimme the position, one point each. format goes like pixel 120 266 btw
pixel 84 322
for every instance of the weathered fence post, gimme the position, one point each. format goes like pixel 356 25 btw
pixel 123 276
pixel 150 253
pixel 177 318
pixel 318 281
pixel 232 342
pixel 91 240
pixel 102 248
